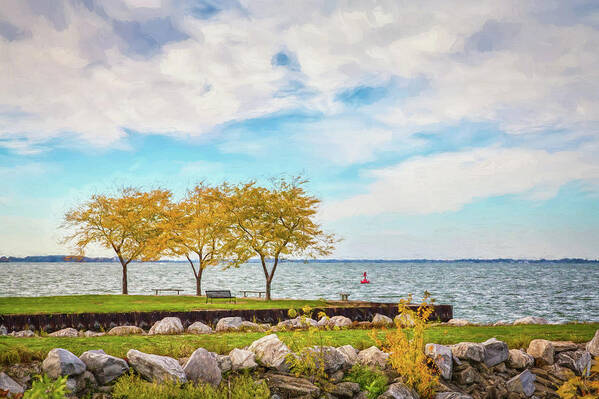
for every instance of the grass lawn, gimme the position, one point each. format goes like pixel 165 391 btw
pixel 138 303
pixel 13 350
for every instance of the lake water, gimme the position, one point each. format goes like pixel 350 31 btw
pixel 481 292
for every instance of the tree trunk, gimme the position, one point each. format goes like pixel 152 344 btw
pixel 125 290
pixel 199 282
pixel 268 289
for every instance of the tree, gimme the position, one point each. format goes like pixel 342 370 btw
pixel 129 223
pixel 276 222
pixel 198 227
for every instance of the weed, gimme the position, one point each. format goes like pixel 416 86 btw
pixel 579 387
pixel 46 388
pixel 372 381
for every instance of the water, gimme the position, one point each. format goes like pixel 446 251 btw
pixel 479 292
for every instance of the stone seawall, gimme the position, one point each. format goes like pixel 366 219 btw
pixel 106 321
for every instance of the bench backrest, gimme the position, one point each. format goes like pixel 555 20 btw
pixel 218 294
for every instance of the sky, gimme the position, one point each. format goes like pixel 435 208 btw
pixel 429 129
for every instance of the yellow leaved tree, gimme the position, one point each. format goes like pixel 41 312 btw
pixel 129 223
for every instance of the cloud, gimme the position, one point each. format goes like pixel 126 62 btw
pixel 448 181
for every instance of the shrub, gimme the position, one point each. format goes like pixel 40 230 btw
pixel 372 381
pixel 578 387
pixel 46 388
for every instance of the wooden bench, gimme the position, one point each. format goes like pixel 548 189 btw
pixel 344 296
pixel 225 294
pixel 246 292
pixel 156 290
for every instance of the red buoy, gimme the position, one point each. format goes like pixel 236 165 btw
pixel 365 280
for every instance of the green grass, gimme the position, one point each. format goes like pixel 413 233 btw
pixel 138 303
pixel 13 349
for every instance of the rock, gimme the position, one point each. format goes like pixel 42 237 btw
pixel 349 353
pixel 403 320
pixel 3 330
pixel 242 359
pixel 155 367
pixel 339 321
pixel 199 328
pixel 458 322
pixel 382 320
pixel 466 376
pixel 90 333
pixel 399 391
pixel 65 332
pixel 167 326
pixel 105 368
pixel 224 363
pixel 578 361
pixel 373 356
pixel 250 326
pixel 345 389
pixel 559 372
pixel 518 359
pixel 469 351
pixel 229 323
pixel 332 359
pixel 10 385
pixel 442 357
pixel 125 330
pixel 563 346
pixel 452 395
pixel 593 345
pixel 530 320
pixel 81 383
pixel 291 387
pixel 61 362
pixel 298 322
pixel 495 352
pixel 23 334
pixel 542 350
pixel 202 366
pixel 502 323
pixel 271 352
pixel 522 383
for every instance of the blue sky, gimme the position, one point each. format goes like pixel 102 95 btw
pixel 429 130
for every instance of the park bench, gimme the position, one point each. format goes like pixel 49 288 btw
pixel 344 296
pixel 246 292
pixel 157 290
pixel 226 294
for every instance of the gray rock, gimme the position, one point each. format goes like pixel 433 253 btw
pixel 271 352
pixel 452 395
pixel 3 330
pixel 469 351
pixel 466 376
pixel 90 333
pixel 338 321
pixel 291 387
pixel 495 352
pixel 403 320
pixel 242 359
pixel 382 320
pixel 105 368
pixel 458 322
pixel 542 350
pixel 224 363
pixel 23 334
pixel 530 320
pixel 167 326
pixel 578 361
pixel 349 353
pixel 61 362
pixel 251 326
pixel 65 332
pixel 125 330
pixel 330 357
pixel 442 357
pixel 502 323
pixel 593 345
pixel 564 346
pixel 199 328
pixel 345 389
pixel 229 323
pixel 155 367
pixel 522 383
pixel 80 383
pixel 518 359
pixel 10 385
pixel 202 366
pixel 399 391
pixel 373 357
pixel 298 322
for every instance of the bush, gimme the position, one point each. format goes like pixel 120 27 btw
pixel 46 388
pixel 578 387
pixel 372 381
pixel 235 387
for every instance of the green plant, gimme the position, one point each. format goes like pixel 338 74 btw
pixel 46 388
pixel 372 381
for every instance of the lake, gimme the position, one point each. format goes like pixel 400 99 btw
pixel 480 292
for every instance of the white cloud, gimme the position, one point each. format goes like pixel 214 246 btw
pixel 446 182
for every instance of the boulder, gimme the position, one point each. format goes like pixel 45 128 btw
pixel 271 352
pixel 345 389
pixel 469 351
pixel 452 395
pixel 81 383
pixel 466 376
pixel 65 332
pixel 542 350
pixel 23 334
pixel 399 391
pixel 332 359
pixel 229 323
pixel 349 353
pixel 382 320
pixel 442 358
pixel 202 366
pixel 523 383
pixel 10 385
pixel 495 352
pixel 502 323
pixel 90 333
pixel 403 320
pixel 3 330
pixel 167 326
pixel 298 322
pixel 125 330
pixel 242 359
pixel 224 362
pixel 563 346
pixel 339 321
pixel 578 361
pixel 458 322
pixel 373 357
pixel 530 320
pixel 155 367
pixel 250 326
pixel 593 345
pixel 518 359
pixel 199 328
pixel 61 362
pixel 105 368
pixel 291 387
